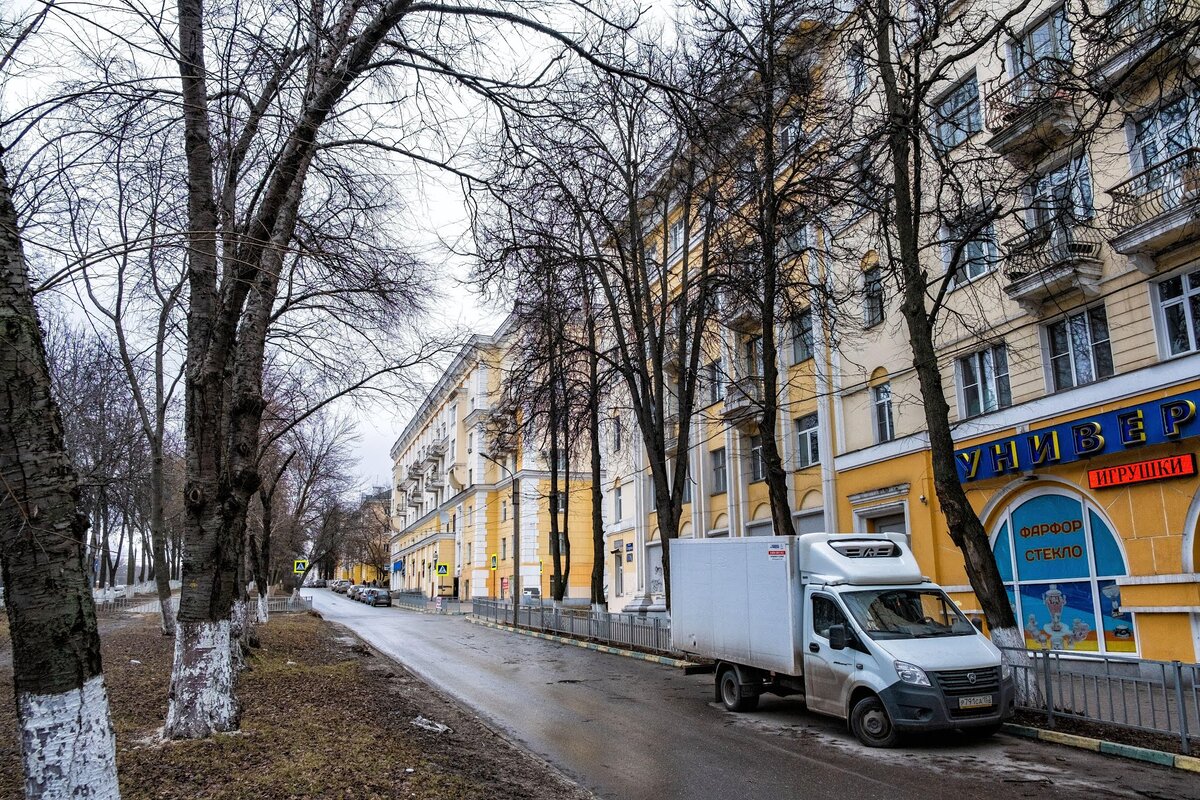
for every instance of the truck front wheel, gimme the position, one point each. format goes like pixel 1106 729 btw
pixel 871 724
pixel 731 690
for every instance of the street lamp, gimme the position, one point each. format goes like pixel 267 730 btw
pixel 516 504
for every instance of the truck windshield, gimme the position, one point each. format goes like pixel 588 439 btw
pixel 906 614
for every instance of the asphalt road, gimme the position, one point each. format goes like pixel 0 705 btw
pixel 631 730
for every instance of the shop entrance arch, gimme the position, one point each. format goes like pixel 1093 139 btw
pixel 1060 557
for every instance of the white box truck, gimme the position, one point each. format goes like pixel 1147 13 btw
pixel 845 620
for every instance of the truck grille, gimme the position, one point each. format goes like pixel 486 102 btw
pixel 958 682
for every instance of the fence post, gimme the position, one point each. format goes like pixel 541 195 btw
pixel 1183 712
pixel 1049 690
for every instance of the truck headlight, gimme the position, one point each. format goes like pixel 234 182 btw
pixel 911 673
pixel 1005 671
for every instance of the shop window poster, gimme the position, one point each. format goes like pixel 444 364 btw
pixel 1059 616
pixel 1118 624
pixel 1050 538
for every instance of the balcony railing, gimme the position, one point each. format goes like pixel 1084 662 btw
pixel 1036 86
pixel 1034 109
pixel 1051 244
pixel 1163 188
pixel 1121 39
pixel 1051 259
pixel 743 398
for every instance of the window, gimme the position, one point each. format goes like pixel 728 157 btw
pixel 687 490
pixel 1050 38
pixel 881 399
pixel 618 504
pixel 802 336
pixel 758 467
pixel 856 71
pixel 790 134
pixel 958 114
pixel 1179 300
pixel 719 472
pixel 872 297
pixel 1079 349
pixel 616 437
pixel 1170 130
pixel 716 381
pixel 752 356
pixel 676 237
pixel 969 251
pixel 556 502
pixel 1072 602
pixel 808 450
pixel 1061 197
pixel 471 442
pixel 984 380
pixel 470 476
pixel 504 549
pixel 825 614
pixel 503 510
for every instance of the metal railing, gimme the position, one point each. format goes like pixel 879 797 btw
pixel 1160 697
pixel 1043 82
pixel 275 605
pixel 646 632
pixel 1161 188
pixel 1138 24
pixel 1050 245
pixel 743 396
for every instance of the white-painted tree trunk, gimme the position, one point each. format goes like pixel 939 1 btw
pixel 201 701
pixel 68 745
pixel 239 618
pixel 1013 652
pixel 166 620
pixel 263 610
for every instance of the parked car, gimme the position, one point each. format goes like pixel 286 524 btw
pixel 341 585
pixel 319 583
pixel 377 597
pixel 354 591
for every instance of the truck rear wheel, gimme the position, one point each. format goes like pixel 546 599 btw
pixel 871 724
pixel 732 692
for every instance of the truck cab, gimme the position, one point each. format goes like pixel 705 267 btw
pixel 847 621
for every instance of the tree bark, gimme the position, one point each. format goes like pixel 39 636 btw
pixel 68 746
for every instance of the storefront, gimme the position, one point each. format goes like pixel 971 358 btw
pixel 1093 526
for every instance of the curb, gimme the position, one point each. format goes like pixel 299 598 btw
pixel 1162 758
pixel 600 648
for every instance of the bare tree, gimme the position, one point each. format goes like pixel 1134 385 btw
pixel 67 741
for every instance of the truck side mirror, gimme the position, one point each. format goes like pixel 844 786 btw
pixel 838 638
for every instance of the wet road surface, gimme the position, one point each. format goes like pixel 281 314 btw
pixel 630 730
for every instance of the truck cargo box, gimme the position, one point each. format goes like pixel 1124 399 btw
pixel 738 600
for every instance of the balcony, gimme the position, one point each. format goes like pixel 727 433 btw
pixel 416 499
pixel 1157 209
pixel 742 315
pixel 1051 260
pixel 438 446
pixel 671 433
pixel 1128 42
pixel 1034 111
pixel 743 400
pixel 477 415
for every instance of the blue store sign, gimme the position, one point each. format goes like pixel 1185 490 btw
pixel 1156 422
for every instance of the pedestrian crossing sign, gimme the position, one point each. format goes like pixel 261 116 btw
pixel 443 569
pixel 493 561
pixel 299 566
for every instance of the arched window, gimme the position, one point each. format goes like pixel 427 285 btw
pixel 1059 558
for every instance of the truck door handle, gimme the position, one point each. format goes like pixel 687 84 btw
pixel 813 647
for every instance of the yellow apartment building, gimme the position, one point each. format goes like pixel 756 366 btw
pixel 1072 365
pixel 459 503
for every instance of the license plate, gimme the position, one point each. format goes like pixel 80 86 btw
pixel 975 701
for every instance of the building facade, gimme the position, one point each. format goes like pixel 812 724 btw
pixel 1071 359
pixel 462 507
